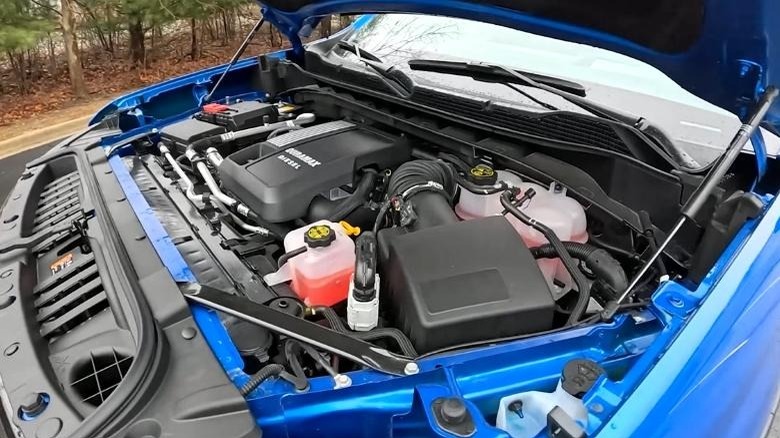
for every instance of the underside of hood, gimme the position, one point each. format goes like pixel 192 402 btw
pixel 724 51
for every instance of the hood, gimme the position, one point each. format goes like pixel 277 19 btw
pixel 724 51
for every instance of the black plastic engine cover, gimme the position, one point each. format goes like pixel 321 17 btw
pixel 278 178
pixel 467 281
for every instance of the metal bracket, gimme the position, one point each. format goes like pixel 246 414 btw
pixel 340 344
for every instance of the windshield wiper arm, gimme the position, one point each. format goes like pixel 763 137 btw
pixel 393 78
pixel 493 72
pixel 500 73
pixel 485 71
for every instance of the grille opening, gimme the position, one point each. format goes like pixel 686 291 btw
pixel 96 378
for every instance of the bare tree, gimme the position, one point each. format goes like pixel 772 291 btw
pixel 68 25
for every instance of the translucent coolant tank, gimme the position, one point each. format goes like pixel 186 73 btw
pixel 320 276
pixel 473 205
pixel 550 206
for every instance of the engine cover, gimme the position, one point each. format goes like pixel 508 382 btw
pixel 278 178
pixel 461 282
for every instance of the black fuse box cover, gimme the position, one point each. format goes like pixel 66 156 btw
pixel 468 281
pixel 240 115
pixel 182 133
pixel 278 178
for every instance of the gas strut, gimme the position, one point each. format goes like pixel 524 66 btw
pixel 297 328
pixel 235 58
pixel 699 198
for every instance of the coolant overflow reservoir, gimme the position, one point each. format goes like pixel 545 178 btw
pixel 320 276
pixel 524 415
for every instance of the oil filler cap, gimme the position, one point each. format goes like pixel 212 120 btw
pixel 319 236
pixel 482 175
pixel 579 375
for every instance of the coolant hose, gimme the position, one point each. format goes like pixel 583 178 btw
pixel 337 325
pixel 598 260
pixel 583 296
pixel 335 211
pixel 265 373
pixel 215 140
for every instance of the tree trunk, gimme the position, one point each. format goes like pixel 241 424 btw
pixel 68 24
pixel 137 44
pixel 326 26
pixel 52 58
pixel 194 52
pixel 19 70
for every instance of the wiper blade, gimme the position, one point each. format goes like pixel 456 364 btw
pixel 492 72
pixel 396 80
pixel 484 71
pixel 502 74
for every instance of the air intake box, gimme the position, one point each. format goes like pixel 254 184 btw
pixel 278 178
pixel 461 282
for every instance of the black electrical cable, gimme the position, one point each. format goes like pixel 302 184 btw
pixel 336 324
pixel 598 260
pixel 568 262
pixel 380 217
pixel 261 376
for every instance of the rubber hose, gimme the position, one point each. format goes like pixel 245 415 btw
pixel 336 324
pixel 260 377
pixel 296 346
pixel 357 198
pixel 291 349
pixel 415 173
pixel 568 262
pixel 599 261
pixel 364 278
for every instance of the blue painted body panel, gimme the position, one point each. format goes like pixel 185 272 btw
pixel 697 363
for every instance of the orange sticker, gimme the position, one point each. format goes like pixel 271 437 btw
pixel 61 263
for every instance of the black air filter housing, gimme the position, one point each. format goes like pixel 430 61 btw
pixel 278 178
pixel 461 282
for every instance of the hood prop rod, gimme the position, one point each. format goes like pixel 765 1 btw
pixel 699 198
pixel 340 344
pixel 235 58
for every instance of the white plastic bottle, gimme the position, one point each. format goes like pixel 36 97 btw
pixel 321 275
pixel 524 415
pixel 476 205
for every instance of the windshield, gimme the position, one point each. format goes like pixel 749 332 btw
pixel 644 90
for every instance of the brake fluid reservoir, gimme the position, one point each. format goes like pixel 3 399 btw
pixel 321 275
pixel 525 414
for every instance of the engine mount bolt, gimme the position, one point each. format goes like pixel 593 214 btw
pixel 411 368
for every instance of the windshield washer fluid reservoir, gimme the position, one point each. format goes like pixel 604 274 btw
pixel 321 275
pixel 524 415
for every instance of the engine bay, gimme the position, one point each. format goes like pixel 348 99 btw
pixel 389 235
pixel 410 236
